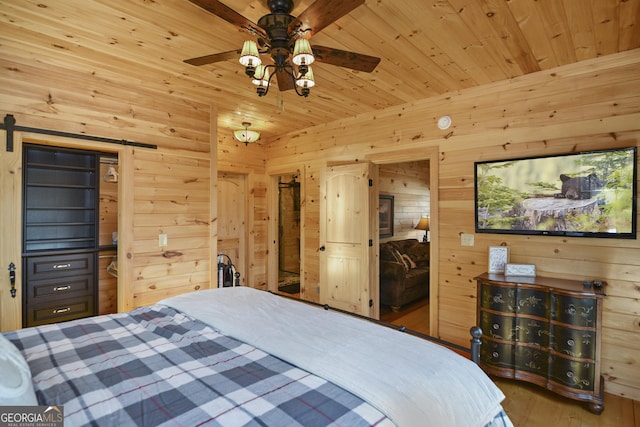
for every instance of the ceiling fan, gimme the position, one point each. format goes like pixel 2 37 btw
pixel 285 39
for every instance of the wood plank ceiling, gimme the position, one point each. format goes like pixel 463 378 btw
pixel 427 48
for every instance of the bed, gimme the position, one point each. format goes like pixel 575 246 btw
pixel 239 356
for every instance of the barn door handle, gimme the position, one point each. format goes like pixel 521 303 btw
pixel 322 248
pixel 12 279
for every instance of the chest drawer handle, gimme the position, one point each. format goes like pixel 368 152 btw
pixel 62 288
pixel 59 266
pixel 61 310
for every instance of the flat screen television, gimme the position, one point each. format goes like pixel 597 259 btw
pixel 585 194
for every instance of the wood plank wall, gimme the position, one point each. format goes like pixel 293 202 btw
pixel 590 105
pixel 167 190
pixel 408 183
pixel 171 196
pixel 249 160
pixel 593 104
pixel 107 283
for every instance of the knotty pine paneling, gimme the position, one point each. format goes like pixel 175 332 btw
pixel 234 156
pixel 258 223
pixel 102 104
pixel 165 190
pixel 409 184
pixel 108 207
pixel 170 190
pixel 249 160
pixel 87 90
pixel 107 283
pixel 449 46
pixel 590 105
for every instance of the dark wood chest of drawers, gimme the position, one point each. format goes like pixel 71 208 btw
pixel 59 287
pixel 60 229
pixel 545 331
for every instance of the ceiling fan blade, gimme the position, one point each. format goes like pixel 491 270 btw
pixel 230 15
pixel 343 58
pixel 285 82
pixel 320 14
pixel 216 57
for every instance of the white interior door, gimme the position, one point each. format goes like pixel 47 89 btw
pixel 348 236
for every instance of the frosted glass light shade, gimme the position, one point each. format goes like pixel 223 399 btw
pixel 249 55
pixel 302 53
pixel 306 80
pixel 261 76
pixel 245 135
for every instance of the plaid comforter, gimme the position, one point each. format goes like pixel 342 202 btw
pixel 155 366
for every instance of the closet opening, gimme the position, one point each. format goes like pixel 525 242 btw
pixel 69 233
pixel 108 176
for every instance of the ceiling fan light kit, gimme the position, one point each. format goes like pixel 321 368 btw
pixel 285 38
pixel 302 53
pixel 249 55
pixel 259 73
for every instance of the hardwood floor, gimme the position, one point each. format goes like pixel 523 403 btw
pixel 529 405
pixel 415 316
pixel 532 406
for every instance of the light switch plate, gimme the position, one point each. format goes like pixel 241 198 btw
pixel 467 239
pixel 162 240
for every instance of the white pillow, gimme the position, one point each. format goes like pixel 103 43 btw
pixel 16 387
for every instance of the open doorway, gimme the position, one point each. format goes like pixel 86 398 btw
pixel 232 220
pixel 289 234
pixel 108 234
pixel 404 250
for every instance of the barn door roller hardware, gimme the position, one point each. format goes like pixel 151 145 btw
pixel 9 123
pixel 10 126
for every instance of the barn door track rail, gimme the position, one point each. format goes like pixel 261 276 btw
pixel 10 126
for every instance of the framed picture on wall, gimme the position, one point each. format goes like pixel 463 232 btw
pixel 386 215
pixel 498 258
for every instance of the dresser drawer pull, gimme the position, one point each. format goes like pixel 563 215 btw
pixel 61 310
pixel 59 266
pixel 61 288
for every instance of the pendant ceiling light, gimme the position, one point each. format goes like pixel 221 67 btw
pixel 245 135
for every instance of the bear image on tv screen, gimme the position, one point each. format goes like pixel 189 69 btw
pixel 581 187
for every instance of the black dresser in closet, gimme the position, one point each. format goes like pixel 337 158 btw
pixel 60 234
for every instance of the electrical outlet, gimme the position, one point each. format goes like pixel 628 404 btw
pixel 467 239
pixel 162 240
